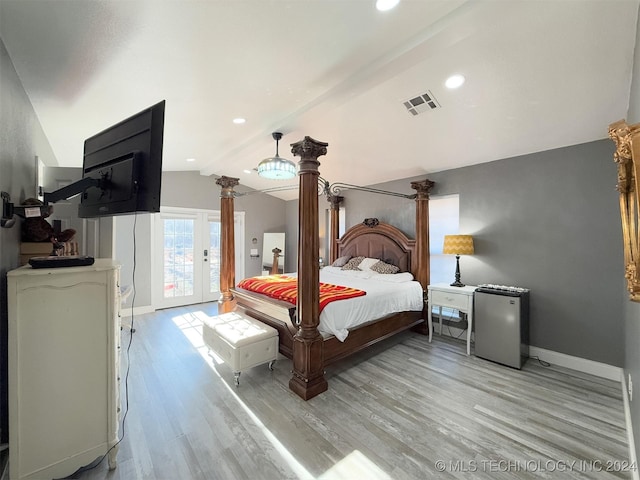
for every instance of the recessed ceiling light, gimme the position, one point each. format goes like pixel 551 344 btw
pixel 239 121
pixel 191 159
pixel 454 81
pixel 384 5
pixel 247 171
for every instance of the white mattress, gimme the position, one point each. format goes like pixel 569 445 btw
pixel 386 294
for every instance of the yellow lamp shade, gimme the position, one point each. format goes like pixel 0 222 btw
pixel 458 245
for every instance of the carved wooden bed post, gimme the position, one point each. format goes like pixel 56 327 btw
pixel 227 244
pixel 423 188
pixel 334 201
pixel 308 365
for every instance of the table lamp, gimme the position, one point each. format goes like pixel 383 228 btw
pixel 458 245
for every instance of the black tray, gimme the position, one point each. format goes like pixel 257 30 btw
pixel 65 261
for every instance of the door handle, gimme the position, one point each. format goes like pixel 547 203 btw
pixel 206 252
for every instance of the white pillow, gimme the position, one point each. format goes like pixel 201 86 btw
pixel 397 278
pixel 366 264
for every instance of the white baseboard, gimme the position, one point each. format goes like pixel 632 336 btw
pixel 586 366
pixel 561 359
pixel 576 363
pixel 126 311
pixel 633 458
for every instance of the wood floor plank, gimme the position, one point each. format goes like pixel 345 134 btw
pixel 406 409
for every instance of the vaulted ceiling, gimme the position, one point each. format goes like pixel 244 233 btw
pixel 539 75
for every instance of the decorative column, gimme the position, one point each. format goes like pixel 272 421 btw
pixel 308 359
pixel 226 302
pixel 423 188
pixel 334 201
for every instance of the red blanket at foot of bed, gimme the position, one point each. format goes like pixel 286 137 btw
pixel 282 287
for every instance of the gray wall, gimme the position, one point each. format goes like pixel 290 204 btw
pixel 21 141
pixel 263 213
pixel 632 309
pixel 126 227
pixel 547 221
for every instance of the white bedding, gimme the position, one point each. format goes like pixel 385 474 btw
pixel 386 294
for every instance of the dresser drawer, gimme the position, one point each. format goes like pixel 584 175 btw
pixel 452 300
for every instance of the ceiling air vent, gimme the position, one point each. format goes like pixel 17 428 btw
pixel 421 103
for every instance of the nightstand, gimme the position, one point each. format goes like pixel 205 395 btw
pixel 459 298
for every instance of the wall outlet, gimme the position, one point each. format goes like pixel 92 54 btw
pixel 630 387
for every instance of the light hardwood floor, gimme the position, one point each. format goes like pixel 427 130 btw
pixel 405 410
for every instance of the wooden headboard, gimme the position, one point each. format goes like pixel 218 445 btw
pixel 374 239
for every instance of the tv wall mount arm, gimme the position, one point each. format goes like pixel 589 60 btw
pixel 9 210
pixel 74 189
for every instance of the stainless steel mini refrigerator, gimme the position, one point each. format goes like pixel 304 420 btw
pixel 501 318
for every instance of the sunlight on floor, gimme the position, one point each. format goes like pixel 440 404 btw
pixel 354 465
pixel 191 326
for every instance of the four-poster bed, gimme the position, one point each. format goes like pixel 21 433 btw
pixel 297 326
pixel 377 241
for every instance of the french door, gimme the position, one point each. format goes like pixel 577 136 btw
pixel 188 259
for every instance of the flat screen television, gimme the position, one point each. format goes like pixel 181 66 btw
pixel 122 168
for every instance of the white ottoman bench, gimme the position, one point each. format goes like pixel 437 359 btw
pixel 241 341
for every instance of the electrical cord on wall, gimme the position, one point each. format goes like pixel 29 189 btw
pixel 448 319
pixel 97 462
pixel 541 362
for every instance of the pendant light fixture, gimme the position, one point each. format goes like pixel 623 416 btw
pixel 277 168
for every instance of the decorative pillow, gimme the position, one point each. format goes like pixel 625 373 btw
pixel 382 267
pixel 353 263
pixel 341 261
pixel 366 264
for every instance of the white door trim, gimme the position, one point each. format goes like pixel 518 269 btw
pixel 158 281
pixel 157 266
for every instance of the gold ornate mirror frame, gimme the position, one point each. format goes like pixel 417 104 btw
pixel 627 157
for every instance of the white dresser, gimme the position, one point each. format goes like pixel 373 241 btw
pixel 64 335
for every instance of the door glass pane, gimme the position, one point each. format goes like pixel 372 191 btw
pixel 169 227
pixel 178 257
pixel 214 257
